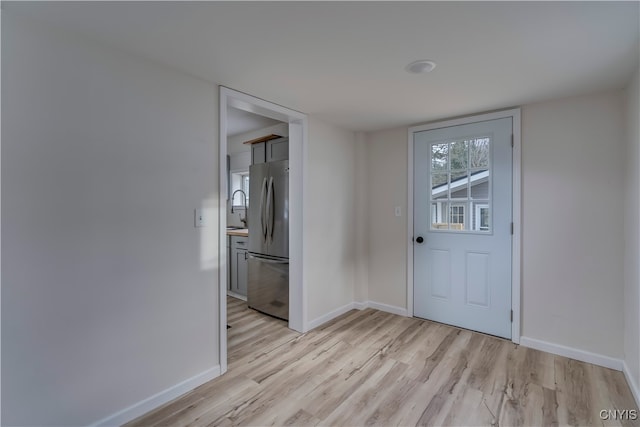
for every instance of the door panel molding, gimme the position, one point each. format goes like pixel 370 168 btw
pixel 516 248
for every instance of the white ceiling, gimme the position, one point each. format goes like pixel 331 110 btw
pixel 344 61
pixel 240 121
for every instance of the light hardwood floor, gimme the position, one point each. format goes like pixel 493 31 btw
pixel 373 368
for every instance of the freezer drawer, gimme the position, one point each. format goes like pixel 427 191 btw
pixel 268 285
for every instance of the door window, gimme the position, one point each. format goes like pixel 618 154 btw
pixel 461 185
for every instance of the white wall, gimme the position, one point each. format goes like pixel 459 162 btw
pixel 572 284
pixel 361 222
pixel 386 152
pixel 107 294
pixel 632 233
pixel 329 218
pixel 572 235
pixel 240 162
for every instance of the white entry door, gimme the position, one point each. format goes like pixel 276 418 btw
pixel 463 225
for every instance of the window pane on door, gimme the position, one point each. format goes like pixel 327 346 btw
pixel 484 219
pixel 480 184
pixel 481 217
pixel 456 217
pixel 479 153
pixel 459 153
pixel 439 186
pixel 461 184
pixel 439 216
pixel 439 157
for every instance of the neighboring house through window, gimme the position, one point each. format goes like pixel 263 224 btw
pixel 456 215
pixel 460 183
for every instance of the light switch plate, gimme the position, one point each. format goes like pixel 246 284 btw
pixel 199 219
pixel 398 210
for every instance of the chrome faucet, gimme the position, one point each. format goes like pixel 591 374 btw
pixel 242 220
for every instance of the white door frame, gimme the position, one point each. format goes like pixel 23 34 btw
pixel 516 208
pixel 298 126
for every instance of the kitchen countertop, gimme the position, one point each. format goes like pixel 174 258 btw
pixel 239 232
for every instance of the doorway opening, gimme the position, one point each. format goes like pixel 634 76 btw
pixel 234 199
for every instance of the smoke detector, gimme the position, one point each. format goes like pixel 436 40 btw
pixel 421 66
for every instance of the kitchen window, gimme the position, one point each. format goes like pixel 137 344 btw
pixel 240 181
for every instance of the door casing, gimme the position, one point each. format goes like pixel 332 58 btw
pixel 298 137
pixel 516 251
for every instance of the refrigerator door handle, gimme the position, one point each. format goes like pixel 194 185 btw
pixel 269 211
pixel 269 260
pixel 263 222
pixel 272 214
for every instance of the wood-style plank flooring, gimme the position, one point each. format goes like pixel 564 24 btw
pixel 373 368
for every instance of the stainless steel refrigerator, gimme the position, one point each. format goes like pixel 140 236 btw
pixel 268 283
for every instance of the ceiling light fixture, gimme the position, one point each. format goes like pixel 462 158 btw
pixel 421 66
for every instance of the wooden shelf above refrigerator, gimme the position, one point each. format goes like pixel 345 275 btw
pixel 263 139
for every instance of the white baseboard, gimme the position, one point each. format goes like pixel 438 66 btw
pixel 150 403
pixel 572 353
pixel 360 305
pixel 329 316
pixel 235 295
pixel 400 311
pixel 357 305
pixel 633 385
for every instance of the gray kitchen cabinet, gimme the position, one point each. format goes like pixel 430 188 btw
pixel 277 149
pixel 239 264
pixel 258 153
pixel 242 271
pixel 270 151
pixel 229 256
